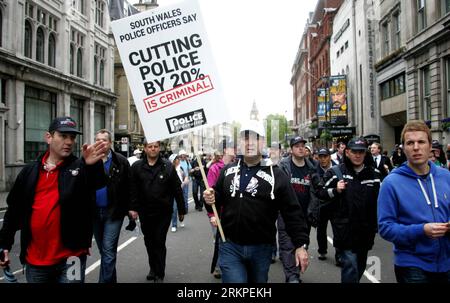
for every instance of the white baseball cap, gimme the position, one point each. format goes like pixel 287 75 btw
pixel 182 152
pixel 253 126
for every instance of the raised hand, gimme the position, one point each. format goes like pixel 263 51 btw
pixel 94 152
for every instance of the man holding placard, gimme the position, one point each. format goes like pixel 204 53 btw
pixel 250 193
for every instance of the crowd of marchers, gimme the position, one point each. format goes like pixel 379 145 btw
pixel 258 201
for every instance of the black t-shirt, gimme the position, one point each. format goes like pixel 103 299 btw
pixel 301 182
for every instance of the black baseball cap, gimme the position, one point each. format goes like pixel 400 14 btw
pixel 357 144
pixel 324 151
pixel 64 125
pixel 296 140
pixel 435 144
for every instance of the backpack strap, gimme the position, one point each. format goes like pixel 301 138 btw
pixel 338 172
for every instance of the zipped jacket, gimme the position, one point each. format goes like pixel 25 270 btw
pixel 248 217
pixel 77 183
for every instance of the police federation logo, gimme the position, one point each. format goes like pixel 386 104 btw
pixel 186 121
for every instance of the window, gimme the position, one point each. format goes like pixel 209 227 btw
pixel 421 15
pixel 79 63
pixel 346 44
pixel 447 65
pixel 3 91
pixel 52 23
pixel 393 87
pixel 71 59
pixel 44 25
pixel 385 37
pixel 40 110
pixel 76 53
pixel 29 10
pixel 396 27
pixel 102 73
pixel 95 71
pixel 337 54
pixel 426 94
pixel 99 11
pixel 99 117
pixel 76 112
pixel 99 65
pixel 79 5
pixel 134 120
pixel 40 45
pixel 445 7
pixel 1 27
pixel 51 50
pixel 28 39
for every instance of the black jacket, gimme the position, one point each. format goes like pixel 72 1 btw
pixel 118 186
pixel 77 183
pixel 154 188
pixel 249 217
pixel 383 161
pixel 355 217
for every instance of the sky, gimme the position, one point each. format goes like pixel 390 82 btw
pixel 254 44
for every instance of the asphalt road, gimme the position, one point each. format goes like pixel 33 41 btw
pixel 189 253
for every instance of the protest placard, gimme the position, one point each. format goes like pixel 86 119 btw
pixel 170 69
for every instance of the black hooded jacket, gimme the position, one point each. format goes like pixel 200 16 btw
pixel 248 218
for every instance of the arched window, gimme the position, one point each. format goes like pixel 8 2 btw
pixel 79 63
pixel 51 50
pixel 28 39
pixel 71 59
pixel 40 45
pixel 102 73
pixel 95 70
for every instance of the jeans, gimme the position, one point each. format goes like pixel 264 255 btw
pixel 196 184
pixel 286 252
pixel 417 275
pixel 71 270
pixel 175 214
pixel 186 197
pixel 244 263
pixel 353 265
pixel 106 233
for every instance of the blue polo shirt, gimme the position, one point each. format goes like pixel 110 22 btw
pixel 102 194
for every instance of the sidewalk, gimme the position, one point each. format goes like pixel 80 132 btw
pixel 3 196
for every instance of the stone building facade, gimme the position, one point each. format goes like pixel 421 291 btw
pixel 56 58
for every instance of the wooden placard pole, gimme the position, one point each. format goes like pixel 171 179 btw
pixel 205 180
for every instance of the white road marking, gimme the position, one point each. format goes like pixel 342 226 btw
pixel 366 273
pixel 14 273
pixel 97 263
